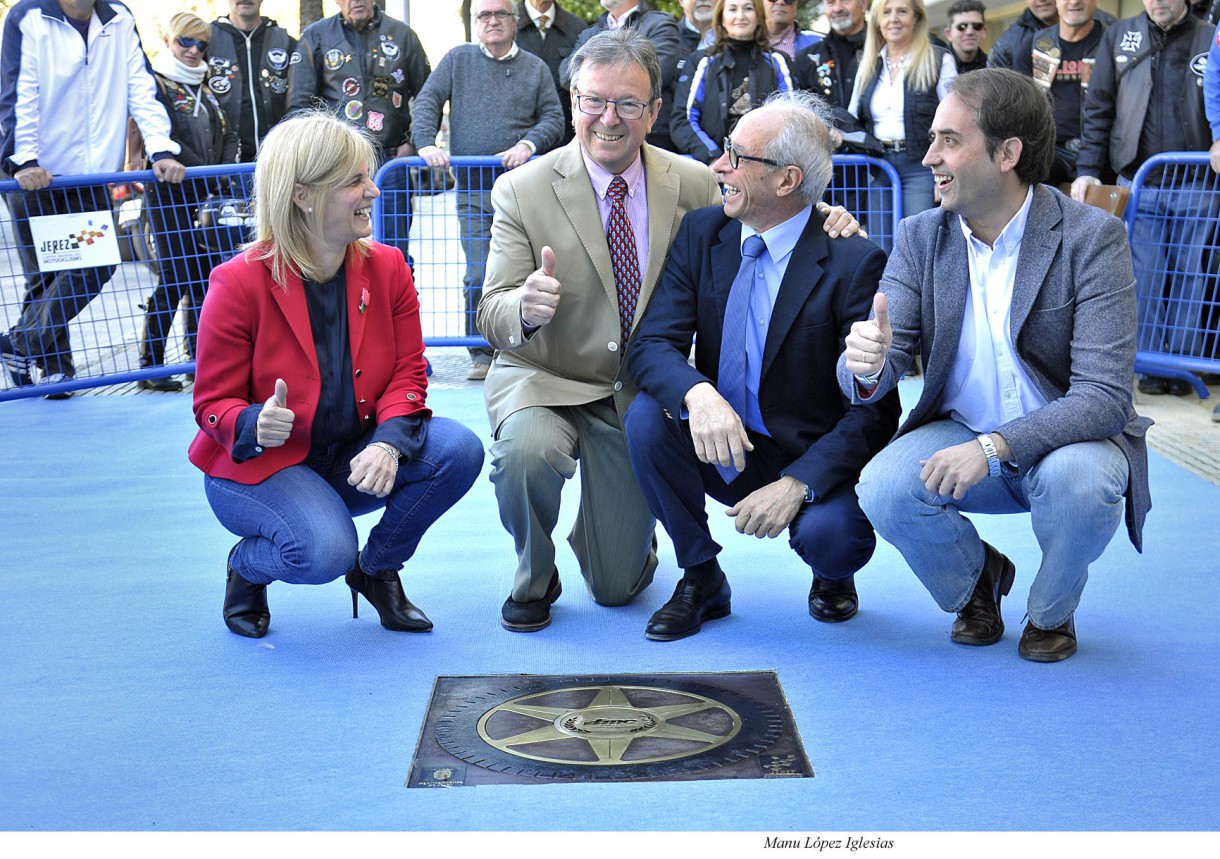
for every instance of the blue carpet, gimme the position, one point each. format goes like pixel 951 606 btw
pixel 125 704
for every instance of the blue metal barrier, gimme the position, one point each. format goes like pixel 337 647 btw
pixel 871 190
pixel 97 269
pixel 93 322
pixel 1172 219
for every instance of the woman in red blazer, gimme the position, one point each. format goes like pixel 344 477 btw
pixel 310 389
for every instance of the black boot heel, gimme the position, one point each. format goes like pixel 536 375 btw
pixel 384 592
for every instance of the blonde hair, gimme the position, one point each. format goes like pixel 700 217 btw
pixel 187 24
pixel 319 152
pixel 923 63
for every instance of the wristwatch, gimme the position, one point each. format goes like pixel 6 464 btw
pixel 993 458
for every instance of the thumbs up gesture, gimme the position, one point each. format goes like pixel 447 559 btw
pixel 540 292
pixel 275 420
pixel 869 340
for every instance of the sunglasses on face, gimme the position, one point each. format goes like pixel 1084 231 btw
pixel 962 26
pixel 189 43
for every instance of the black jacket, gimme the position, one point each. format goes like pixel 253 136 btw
pixel 1144 99
pixel 368 77
pixel 562 33
pixel 252 102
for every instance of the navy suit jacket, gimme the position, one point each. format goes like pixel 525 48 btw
pixel 828 285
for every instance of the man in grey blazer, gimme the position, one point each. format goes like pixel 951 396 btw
pixel 554 310
pixel 1022 305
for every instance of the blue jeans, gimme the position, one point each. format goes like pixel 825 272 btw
pixel 1172 249
pixel 1074 496
pixel 296 526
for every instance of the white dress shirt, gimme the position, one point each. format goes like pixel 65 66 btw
pixel 987 385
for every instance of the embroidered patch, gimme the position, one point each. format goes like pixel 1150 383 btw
pixel 277 58
pixel 1131 42
pixel 335 58
pixel 353 110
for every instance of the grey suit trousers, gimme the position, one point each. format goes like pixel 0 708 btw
pixel 535 451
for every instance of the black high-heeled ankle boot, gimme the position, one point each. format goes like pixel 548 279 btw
pixel 384 591
pixel 245 611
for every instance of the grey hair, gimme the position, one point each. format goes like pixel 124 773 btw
pixel 513 7
pixel 623 47
pixel 803 140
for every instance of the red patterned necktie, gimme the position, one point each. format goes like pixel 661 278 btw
pixel 623 257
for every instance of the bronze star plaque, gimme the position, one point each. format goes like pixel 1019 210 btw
pixel 533 729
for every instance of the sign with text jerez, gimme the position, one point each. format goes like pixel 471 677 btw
pixel 81 240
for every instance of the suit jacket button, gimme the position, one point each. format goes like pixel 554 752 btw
pixel 612 346
pixel 213 420
pixel 358 372
pixel 412 397
pixel 618 386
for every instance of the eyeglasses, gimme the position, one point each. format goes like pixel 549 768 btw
pixel 595 105
pixel 962 26
pixel 188 43
pixel 499 15
pixel 785 2
pixel 735 157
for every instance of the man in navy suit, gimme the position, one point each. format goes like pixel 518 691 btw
pixel 758 422
pixel 1021 303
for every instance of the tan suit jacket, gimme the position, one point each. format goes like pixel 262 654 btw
pixel 577 357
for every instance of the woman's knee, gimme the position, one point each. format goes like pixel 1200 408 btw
pixel 320 557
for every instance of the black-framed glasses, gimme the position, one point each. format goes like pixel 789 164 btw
pixel 188 43
pixel 736 157
pixel 499 15
pixel 977 26
pixel 595 105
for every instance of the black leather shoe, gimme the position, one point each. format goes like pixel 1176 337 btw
pixel 384 591
pixel 531 615
pixel 245 609
pixel 833 601
pixel 980 622
pixel 1153 386
pixel 687 609
pixel 166 384
pixel 1048 645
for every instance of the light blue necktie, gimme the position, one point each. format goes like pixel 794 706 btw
pixel 731 377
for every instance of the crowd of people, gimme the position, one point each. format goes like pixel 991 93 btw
pixel 612 259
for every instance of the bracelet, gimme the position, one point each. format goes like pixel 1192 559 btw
pixel 388 448
pixel 993 458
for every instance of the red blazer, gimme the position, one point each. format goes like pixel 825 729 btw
pixel 252 332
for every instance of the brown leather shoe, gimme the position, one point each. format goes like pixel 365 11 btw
pixel 979 622
pixel 1048 645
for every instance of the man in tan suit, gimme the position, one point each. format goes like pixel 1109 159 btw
pixel 558 306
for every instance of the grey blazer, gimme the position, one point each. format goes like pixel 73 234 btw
pixel 1073 321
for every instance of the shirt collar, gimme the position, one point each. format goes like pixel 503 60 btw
pixel 615 23
pixel 601 178
pixel 512 52
pixel 535 14
pixel 782 238
pixel 1009 240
